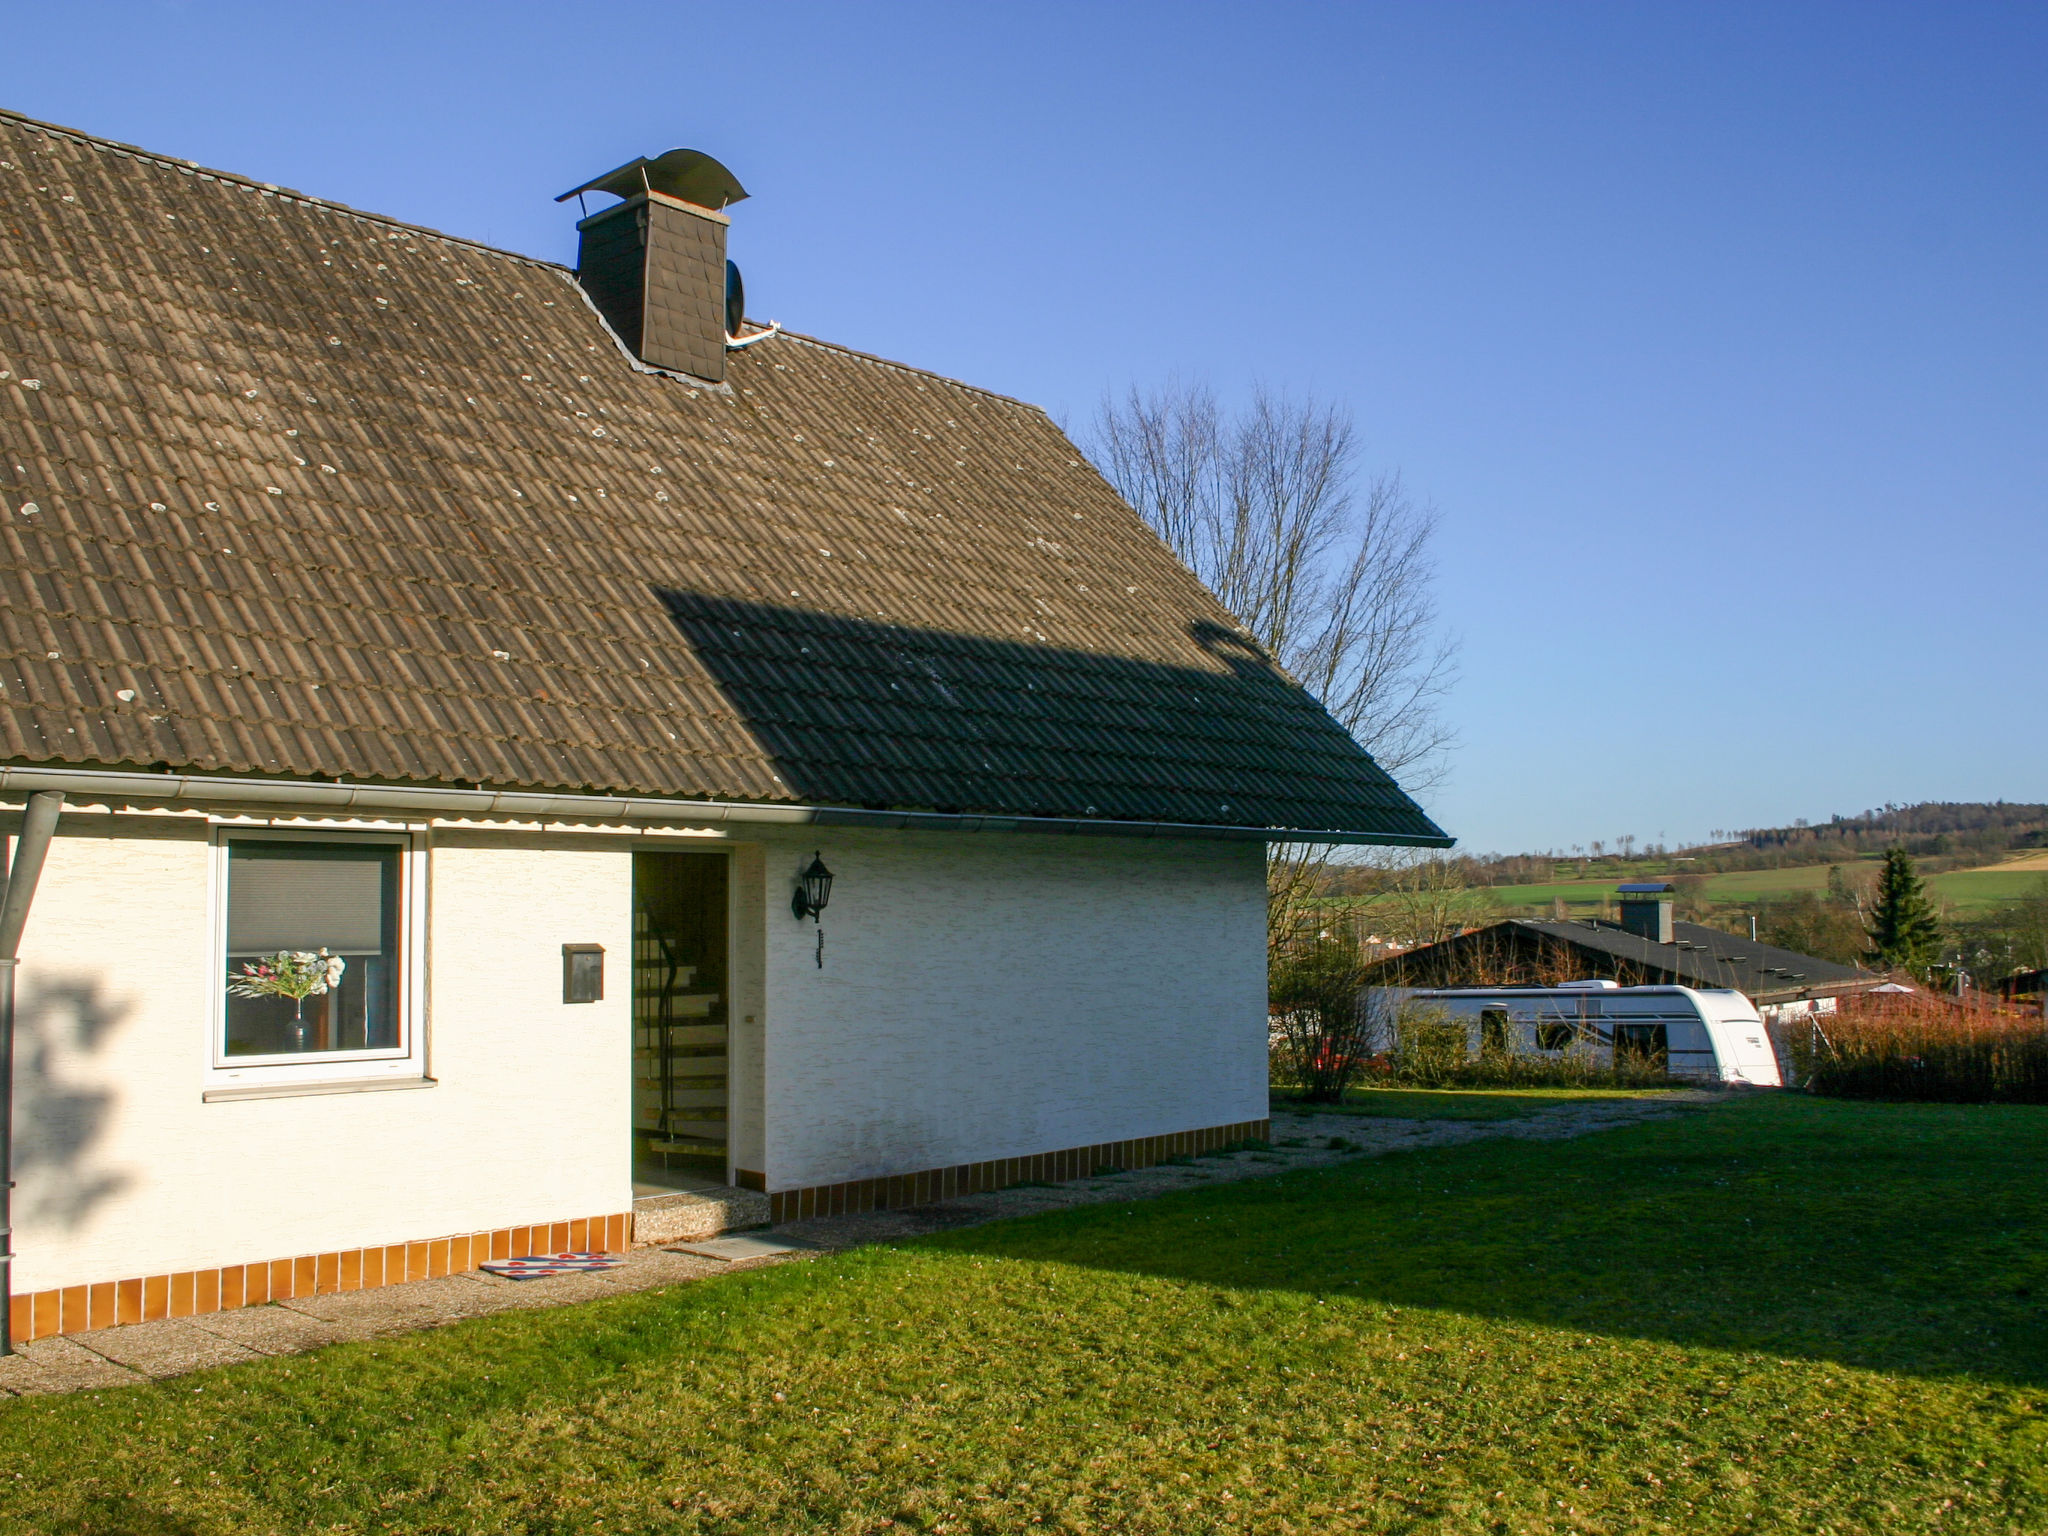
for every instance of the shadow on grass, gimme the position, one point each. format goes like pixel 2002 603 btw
pixel 112 1515
pixel 1907 1238
pixel 1453 1103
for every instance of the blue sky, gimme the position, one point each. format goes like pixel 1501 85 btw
pixel 1718 334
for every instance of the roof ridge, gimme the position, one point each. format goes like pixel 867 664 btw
pixel 292 194
pixel 923 373
pixel 136 151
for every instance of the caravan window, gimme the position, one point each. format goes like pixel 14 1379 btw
pixel 1552 1035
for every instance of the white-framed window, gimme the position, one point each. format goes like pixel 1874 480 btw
pixel 317 954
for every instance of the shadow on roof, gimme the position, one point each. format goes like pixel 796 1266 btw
pixel 865 713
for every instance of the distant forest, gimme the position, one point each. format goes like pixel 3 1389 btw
pixel 1939 835
pixel 1938 829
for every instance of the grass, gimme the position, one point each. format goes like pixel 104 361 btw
pixel 1744 885
pixel 1970 888
pixel 1455 1104
pixel 1786 1315
pixel 1964 889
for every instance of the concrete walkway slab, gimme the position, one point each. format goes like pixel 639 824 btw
pixel 166 1348
pixel 652 1268
pixel 735 1249
pixel 61 1365
pixel 560 1290
pixel 400 1308
pixel 277 1329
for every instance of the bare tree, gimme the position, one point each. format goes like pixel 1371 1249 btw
pixel 1336 580
pixel 1426 900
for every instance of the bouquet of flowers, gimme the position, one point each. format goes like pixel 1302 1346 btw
pixel 294 973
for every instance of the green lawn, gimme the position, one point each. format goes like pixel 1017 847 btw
pixel 1454 1103
pixel 1786 1315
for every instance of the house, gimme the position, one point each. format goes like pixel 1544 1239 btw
pixel 694 760
pixel 1648 947
pixel 2021 985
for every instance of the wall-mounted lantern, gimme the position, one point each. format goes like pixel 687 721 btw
pixel 582 973
pixel 813 890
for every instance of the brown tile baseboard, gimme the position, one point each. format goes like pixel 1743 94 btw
pixel 80 1308
pixel 931 1184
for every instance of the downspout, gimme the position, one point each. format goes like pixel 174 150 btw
pixel 38 821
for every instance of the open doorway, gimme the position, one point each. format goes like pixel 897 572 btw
pixel 681 996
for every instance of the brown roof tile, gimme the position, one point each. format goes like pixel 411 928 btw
pixel 338 496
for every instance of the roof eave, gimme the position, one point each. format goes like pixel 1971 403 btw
pixel 344 798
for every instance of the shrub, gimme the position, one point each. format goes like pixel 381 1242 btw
pixel 1320 1036
pixel 1916 1045
pixel 1432 1050
pixel 1429 1048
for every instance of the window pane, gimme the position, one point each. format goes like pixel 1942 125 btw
pixel 290 899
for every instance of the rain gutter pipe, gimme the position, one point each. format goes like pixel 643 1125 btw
pixel 38 821
pixel 288 796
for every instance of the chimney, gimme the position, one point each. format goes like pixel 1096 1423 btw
pixel 1646 910
pixel 655 265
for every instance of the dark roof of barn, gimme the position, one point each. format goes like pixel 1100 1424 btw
pixel 1697 957
pixel 296 491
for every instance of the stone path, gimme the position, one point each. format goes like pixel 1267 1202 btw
pixel 113 1357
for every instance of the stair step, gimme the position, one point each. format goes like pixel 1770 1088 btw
pixel 682 1131
pixel 697 1098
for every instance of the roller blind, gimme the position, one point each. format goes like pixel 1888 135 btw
pixel 286 896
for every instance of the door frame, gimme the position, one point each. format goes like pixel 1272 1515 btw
pixel 726 852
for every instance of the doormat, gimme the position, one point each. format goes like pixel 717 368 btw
pixel 542 1265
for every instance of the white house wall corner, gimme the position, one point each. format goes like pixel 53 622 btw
pixel 980 999
pixel 988 1000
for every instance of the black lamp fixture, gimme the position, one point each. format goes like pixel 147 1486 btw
pixel 813 890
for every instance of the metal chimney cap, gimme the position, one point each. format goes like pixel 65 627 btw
pixel 687 174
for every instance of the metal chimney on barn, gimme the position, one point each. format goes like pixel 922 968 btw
pixel 1646 910
pixel 655 263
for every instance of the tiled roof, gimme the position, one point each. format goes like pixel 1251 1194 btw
pixel 293 490
pixel 1699 957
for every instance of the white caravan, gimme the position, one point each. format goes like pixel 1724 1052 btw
pixel 1700 1032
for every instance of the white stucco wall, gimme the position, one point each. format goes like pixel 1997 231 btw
pixel 124 1171
pixel 997 996
pixel 982 997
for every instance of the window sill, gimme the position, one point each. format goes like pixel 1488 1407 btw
pixel 302 1090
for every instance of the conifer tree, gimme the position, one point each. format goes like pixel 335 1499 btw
pixel 1905 934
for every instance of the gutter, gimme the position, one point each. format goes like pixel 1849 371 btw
pixel 38 822
pixel 401 799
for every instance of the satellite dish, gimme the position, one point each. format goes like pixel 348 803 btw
pixel 687 174
pixel 735 299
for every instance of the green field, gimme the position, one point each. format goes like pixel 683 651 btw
pixel 1964 889
pixel 1970 888
pixel 1788 1315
